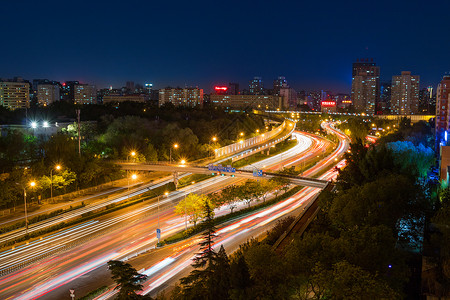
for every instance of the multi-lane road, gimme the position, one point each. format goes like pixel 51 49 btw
pixel 76 257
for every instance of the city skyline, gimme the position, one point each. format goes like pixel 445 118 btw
pixel 199 44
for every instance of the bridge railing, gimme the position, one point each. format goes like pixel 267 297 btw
pixel 254 141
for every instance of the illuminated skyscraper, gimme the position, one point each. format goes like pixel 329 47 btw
pixel 85 94
pixel 278 83
pixel 443 107
pixel 189 97
pixel 48 94
pixel 256 86
pixel 15 94
pixel 405 94
pixel 365 85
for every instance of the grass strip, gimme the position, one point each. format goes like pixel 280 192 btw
pixel 222 219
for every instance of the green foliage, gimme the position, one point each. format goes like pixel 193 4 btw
pixel 193 206
pixel 128 280
pixel 210 277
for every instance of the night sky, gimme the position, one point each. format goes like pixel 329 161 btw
pixel 178 43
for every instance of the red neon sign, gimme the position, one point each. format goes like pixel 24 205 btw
pixel 328 103
pixel 221 88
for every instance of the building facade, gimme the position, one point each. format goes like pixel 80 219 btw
pixel 405 94
pixel 14 94
pixel 48 94
pixel 124 98
pixel 289 97
pixel 189 97
pixel 269 102
pixel 278 83
pixel 442 107
pixel 256 86
pixel 85 94
pixel 365 85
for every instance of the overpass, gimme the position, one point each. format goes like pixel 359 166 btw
pixel 244 172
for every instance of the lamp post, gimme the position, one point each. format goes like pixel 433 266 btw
pixel 214 139
pixel 133 154
pixel 133 177
pixel 57 167
pixel 158 230
pixel 175 146
pixel 32 184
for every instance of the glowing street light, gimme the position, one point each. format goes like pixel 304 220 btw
pixel 32 185
pixel 133 177
pixel 57 168
pixel 241 134
pixel 183 161
pixel 45 125
pixel 175 146
pixel 34 125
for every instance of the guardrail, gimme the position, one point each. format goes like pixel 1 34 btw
pixel 254 141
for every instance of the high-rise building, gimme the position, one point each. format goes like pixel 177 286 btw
pixel 68 91
pixel 148 88
pixel 385 95
pixel 256 86
pixel 427 99
pixel 85 94
pixel 233 88
pixel 289 96
pixel 443 107
pixel 365 85
pixel 405 94
pixel 14 94
pixel 130 86
pixel 189 97
pixel 244 102
pixel 48 94
pixel 302 99
pixel 278 83
pixel 314 99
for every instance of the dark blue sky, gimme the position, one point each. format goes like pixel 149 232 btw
pixel 312 43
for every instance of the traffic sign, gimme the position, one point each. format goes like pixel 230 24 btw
pixel 258 173
pixel 72 293
pixel 158 233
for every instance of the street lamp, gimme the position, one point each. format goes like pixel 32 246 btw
pixel 57 167
pixel 133 177
pixel 214 139
pixel 183 161
pixel 32 184
pixel 158 230
pixel 241 134
pixel 175 146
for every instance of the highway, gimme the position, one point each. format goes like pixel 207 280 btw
pixel 84 251
pixel 167 271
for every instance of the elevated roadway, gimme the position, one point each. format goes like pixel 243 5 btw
pixel 245 173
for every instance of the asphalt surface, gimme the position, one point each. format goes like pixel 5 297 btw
pixel 81 264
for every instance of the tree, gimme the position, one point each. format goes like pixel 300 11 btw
pixel 220 279
pixel 128 280
pixel 267 272
pixel 197 285
pixel 229 195
pixel 278 183
pixel 347 281
pixel 193 205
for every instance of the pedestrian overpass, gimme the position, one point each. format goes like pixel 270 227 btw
pixel 243 172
